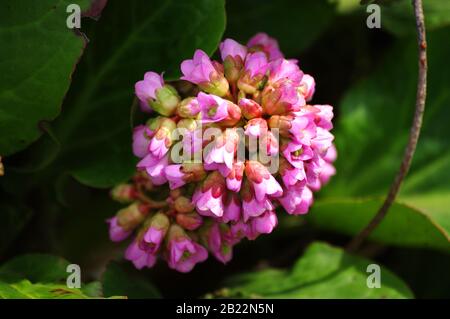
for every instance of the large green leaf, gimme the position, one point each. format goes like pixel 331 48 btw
pixel 24 289
pixel 295 24
pixel 131 38
pixel 118 281
pixel 403 226
pixel 322 272
pixel 371 136
pixel 37 57
pixel 39 276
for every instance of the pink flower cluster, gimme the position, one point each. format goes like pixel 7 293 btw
pixel 210 206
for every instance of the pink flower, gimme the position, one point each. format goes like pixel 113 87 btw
pixel 322 141
pixel 324 115
pixel 232 48
pixel 256 127
pixel 183 252
pixel 282 98
pixel 232 210
pixel 328 170
pixel 265 223
pixel 285 70
pixel 331 154
pixel 250 109
pixel 212 108
pixel 162 139
pixel 199 69
pixel 141 140
pixel 218 245
pixel 209 198
pixel 153 238
pixel 116 232
pixel 307 86
pixel 174 175
pixel 271 142
pixel 146 89
pixel 234 178
pixel 188 108
pixel 297 200
pixel 251 207
pixel 238 231
pixel 155 168
pixel 296 153
pixel 139 257
pixel 291 175
pixel 267 44
pixel 262 181
pixel 223 149
pixel 303 129
pixel 256 64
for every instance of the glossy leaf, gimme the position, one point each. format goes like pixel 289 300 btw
pixel 404 225
pixel 322 272
pixel 37 57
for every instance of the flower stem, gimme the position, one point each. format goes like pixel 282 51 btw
pixel 356 242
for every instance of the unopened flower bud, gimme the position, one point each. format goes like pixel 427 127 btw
pixel 281 122
pixel 189 221
pixel 124 193
pixel 188 108
pixel 167 100
pixel 132 216
pixel 183 205
pixel 250 109
pixel 282 97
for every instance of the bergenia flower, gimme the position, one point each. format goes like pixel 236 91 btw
pixel 140 257
pixel 268 45
pixel 226 149
pixel 231 48
pixel 146 89
pixel 182 252
pixel 201 71
pixel 117 232
pixel 141 140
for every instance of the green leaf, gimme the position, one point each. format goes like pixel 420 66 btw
pixel 117 281
pixel 35 267
pixel 26 290
pixel 322 272
pixel 155 35
pixel 14 217
pixel 38 55
pixel 371 136
pixel 404 225
pixel 39 276
pixel 293 23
